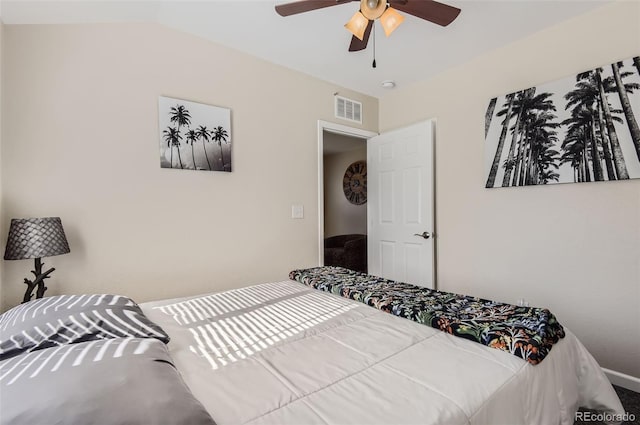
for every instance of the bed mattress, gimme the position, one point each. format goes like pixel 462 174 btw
pixel 283 353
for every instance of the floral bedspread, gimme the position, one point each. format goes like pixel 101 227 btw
pixel 526 332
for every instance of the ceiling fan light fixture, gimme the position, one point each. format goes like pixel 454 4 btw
pixel 372 9
pixel 357 25
pixel 390 20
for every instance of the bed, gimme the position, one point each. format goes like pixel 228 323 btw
pixel 287 353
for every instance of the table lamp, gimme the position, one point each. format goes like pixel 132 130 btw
pixel 36 238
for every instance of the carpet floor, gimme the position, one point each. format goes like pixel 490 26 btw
pixel 631 402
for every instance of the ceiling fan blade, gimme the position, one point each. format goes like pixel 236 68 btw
pixel 357 44
pixel 430 10
pixel 296 7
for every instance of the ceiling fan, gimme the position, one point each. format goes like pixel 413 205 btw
pixel 361 23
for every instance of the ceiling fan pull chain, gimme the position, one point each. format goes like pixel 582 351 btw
pixel 374 46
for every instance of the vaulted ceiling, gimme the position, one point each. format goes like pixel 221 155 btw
pixel 316 42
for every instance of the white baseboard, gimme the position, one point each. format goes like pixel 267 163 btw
pixel 622 380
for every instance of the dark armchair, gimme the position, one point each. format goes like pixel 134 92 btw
pixel 349 251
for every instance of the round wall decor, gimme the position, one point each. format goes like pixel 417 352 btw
pixel 354 183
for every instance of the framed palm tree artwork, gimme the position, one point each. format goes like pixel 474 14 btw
pixel 194 136
pixel 582 128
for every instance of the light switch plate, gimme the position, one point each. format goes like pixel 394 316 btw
pixel 297 211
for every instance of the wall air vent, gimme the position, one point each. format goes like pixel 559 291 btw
pixel 348 109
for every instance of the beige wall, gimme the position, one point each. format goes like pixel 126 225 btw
pixel 341 217
pixel 81 142
pixel 574 248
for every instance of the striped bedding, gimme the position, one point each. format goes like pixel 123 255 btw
pixel 106 381
pixel 68 319
pixel 89 359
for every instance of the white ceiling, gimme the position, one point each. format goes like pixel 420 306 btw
pixel 316 42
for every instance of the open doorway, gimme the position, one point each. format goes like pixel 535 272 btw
pixel 342 196
pixel 345 197
pixel 400 201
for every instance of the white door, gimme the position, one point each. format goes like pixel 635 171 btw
pixel 400 182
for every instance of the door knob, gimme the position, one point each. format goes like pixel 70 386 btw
pixel 425 235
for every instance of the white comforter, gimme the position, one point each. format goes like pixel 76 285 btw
pixel 282 353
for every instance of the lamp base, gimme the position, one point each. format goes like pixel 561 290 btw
pixel 37 282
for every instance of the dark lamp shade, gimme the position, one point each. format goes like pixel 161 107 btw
pixel 35 238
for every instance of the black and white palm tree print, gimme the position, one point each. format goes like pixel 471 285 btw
pixel 578 129
pixel 194 136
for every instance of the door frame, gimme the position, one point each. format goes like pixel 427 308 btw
pixel 337 129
